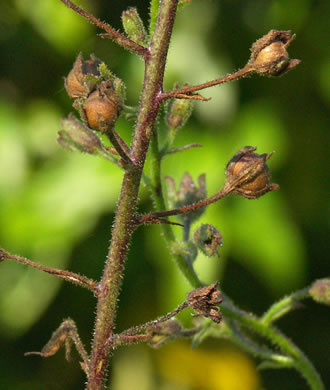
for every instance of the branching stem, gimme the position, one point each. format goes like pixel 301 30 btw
pixel 68 276
pixel 184 92
pixel 110 32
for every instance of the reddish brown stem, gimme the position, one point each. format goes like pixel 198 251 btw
pixel 111 32
pixel 147 218
pixel 68 276
pixel 183 92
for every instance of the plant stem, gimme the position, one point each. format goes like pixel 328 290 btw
pixel 111 32
pixel 167 230
pixel 280 308
pixel 68 276
pixel 186 209
pixel 301 363
pixel 182 92
pixel 124 224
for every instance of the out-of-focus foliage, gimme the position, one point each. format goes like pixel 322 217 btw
pixel 56 207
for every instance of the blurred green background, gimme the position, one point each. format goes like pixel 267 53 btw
pixel 57 207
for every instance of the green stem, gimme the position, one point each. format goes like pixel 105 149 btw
pixel 159 201
pixel 154 9
pixel 233 333
pixel 301 363
pixel 283 306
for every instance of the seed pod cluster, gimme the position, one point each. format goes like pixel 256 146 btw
pixel 98 94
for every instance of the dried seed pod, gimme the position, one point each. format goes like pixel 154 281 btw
pixel 269 56
pixel 76 84
pixel 248 174
pixel 103 107
pixel 205 300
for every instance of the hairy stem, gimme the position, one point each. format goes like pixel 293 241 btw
pixel 301 362
pixel 110 32
pixel 68 276
pixel 184 92
pixel 284 305
pixel 124 224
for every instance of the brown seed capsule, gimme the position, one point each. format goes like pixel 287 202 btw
pixel 76 84
pixel 248 174
pixel 102 107
pixel 269 56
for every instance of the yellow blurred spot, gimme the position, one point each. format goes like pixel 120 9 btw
pixel 227 369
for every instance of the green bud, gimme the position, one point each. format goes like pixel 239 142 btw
pixel 208 240
pixel 77 136
pixel 133 26
pixel 187 194
pixel 178 113
pixel 320 291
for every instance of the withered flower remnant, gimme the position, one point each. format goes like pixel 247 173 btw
pixel 248 174
pixel 269 56
pixel 208 240
pixel 187 194
pixel 205 300
pixel 77 83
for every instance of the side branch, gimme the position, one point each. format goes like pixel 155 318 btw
pixel 184 92
pixel 68 276
pixel 148 218
pixel 111 33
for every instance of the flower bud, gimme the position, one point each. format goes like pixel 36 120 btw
pixel 103 107
pixel 204 300
pixel 187 194
pixel 320 291
pixel 269 56
pixel 77 136
pixel 248 174
pixel 178 113
pixel 208 240
pixel 77 84
pixel 133 26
